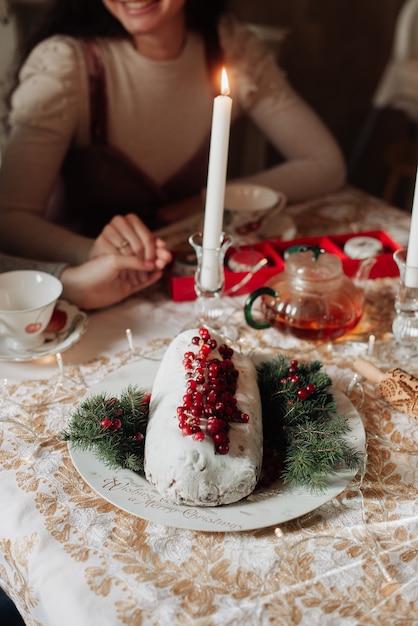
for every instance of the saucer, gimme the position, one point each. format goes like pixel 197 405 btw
pixel 54 342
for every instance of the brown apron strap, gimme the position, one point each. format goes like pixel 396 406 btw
pixel 99 181
pixel 97 90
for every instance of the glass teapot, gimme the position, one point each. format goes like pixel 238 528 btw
pixel 312 298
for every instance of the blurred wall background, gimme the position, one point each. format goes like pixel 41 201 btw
pixel 334 52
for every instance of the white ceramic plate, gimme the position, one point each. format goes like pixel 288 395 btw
pixel 75 326
pixel 265 507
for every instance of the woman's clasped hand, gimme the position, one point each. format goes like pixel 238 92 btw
pixel 124 259
pixel 106 280
pixel 129 236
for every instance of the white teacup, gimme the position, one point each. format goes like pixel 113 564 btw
pixel 246 206
pixel 27 301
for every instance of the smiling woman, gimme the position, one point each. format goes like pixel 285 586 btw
pixel 157 26
pixel 111 120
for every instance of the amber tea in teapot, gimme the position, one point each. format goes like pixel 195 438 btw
pixel 312 298
pixel 311 324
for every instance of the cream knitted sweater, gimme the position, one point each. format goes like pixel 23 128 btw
pixel 159 114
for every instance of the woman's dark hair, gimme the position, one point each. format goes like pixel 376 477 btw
pixel 90 18
pixel 202 16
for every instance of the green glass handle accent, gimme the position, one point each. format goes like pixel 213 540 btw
pixel 261 291
pixel 316 250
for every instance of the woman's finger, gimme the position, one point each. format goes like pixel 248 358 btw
pixel 142 237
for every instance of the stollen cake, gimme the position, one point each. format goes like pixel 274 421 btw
pixel 204 440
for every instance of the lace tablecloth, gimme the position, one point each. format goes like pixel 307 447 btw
pixel 68 556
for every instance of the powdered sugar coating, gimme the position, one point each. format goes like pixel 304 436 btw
pixel 189 472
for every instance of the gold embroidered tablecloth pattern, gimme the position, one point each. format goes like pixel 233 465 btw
pixel 68 556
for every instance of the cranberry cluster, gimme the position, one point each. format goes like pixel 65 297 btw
pixel 292 376
pixel 209 404
pixel 114 422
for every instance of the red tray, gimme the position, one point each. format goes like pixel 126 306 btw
pixel 182 287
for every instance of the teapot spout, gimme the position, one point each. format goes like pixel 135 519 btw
pixel 363 272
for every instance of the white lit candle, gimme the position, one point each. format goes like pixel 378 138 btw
pixel 411 273
pixel 215 190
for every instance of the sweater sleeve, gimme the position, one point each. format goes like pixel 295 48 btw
pixel 312 160
pixel 48 111
pixel 10 263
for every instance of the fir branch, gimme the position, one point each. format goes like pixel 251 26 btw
pixel 315 449
pixel 114 427
pixel 303 426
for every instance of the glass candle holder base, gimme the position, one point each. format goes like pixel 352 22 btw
pixel 209 310
pixel 209 281
pixel 405 323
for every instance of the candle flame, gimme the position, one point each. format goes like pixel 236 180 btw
pixel 224 83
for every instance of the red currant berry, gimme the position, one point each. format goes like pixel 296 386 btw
pixel 214 425
pixel 213 369
pixel 187 401
pixel 211 397
pixel 204 333
pixel 302 393
pixel 221 437
pixel 196 411
pixel 205 349
pixel 222 448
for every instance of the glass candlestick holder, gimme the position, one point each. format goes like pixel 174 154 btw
pixel 209 280
pixel 405 324
pixel 402 349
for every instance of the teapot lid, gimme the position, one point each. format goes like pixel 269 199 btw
pixel 312 263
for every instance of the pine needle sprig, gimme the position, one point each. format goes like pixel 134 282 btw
pixel 279 383
pixel 300 421
pixel 314 449
pixel 114 427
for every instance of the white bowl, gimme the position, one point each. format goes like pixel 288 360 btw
pixel 246 197
pixel 247 205
pixel 27 301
